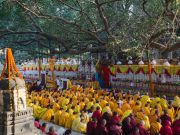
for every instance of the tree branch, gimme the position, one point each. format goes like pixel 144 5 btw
pixel 47 16
pixel 103 17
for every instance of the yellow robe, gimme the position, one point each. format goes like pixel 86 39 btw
pixel 75 123
pixel 48 115
pixel 125 107
pixel 103 103
pixel 63 118
pixel 146 111
pixel 107 109
pixel 70 121
pixel 56 107
pixel 171 113
pixel 82 127
pixel 164 104
pixel 89 105
pixel 155 128
pixel 56 117
pixel 136 108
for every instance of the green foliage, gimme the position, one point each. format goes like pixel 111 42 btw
pixel 79 24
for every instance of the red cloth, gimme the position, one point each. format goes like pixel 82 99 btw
pixel 91 128
pixel 176 127
pixel 116 118
pixel 97 115
pixel 106 75
pixel 166 128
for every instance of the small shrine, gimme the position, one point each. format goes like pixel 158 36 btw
pixel 15 117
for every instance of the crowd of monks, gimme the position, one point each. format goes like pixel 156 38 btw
pixel 104 112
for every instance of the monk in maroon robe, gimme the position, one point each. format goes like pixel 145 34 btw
pixel 101 128
pixel 166 128
pixel 91 127
pixel 97 114
pixel 176 127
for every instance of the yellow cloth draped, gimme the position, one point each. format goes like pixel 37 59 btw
pixel 70 121
pixel 56 117
pixel 48 115
pixel 125 107
pixel 75 123
pixel 155 128
pixel 56 107
pixel 63 118
pixel 164 104
pixel 81 128
pixel 107 109
pixel 103 103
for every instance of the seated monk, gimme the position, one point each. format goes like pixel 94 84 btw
pixel 155 127
pixel 107 109
pixel 82 126
pixel 76 122
pixel 63 118
pixel 48 115
pixel 70 120
pixel 126 106
pixel 56 116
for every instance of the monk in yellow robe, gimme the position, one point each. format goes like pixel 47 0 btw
pixel 76 122
pixel 126 106
pixel 56 107
pixel 146 109
pixel 107 109
pixel 154 117
pixel 63 118
pixel 136 108
pixel 170 111
pixel 163 103
pixel 103 103
pixel 82 126
pixel 155 127
pixel 48 115
pixel 56 116
pixel 70 120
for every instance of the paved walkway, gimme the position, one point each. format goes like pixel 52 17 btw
pixel 60 130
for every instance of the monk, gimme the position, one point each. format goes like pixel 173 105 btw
pixel 63 118
pixel 107 109
pixel 82 126
pixel 165 117
pixel 91 127
pixel 166 128
pixel 142 129
pixel 155 127
pixel 101 128
pixel 56 116
pixel 70 120
pixel 126 106
pixel 97 114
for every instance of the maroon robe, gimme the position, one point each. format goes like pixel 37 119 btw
pixel 176 127
pixel 97 115
pixel 101 130
pixel 164 118
pixel 143 131
pixel 115 130
pixel 91 128
pixel 166 128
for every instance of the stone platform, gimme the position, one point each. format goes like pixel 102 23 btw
pixel 17 123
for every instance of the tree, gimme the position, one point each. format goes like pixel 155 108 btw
pixel 119 27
